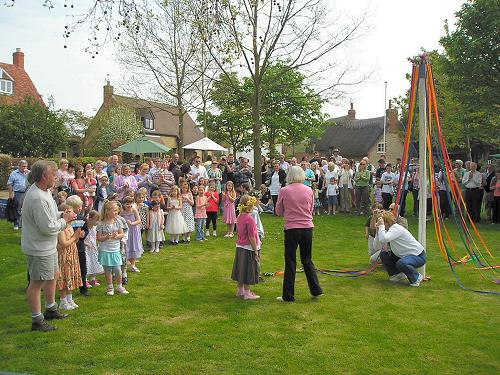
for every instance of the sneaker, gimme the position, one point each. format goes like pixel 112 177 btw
pixel 121 290
pixel 89 285
pixel 397 278
pixel 420 278
pixel 63 305
pixel 280 299
pixel 231 235
pixel 134 269
pixel 125 280
pixel 73 304
pixel 95 283
pixel 42 325
pixel 157 250
pixel 16 227
pixel 214 234
pixel 53 314
pixel 250 295
pixel 110 292
pixel 226 235
pixel 317 296
pixel 153 250
pixel 207 233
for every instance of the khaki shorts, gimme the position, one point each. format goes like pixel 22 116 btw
pixel 43 268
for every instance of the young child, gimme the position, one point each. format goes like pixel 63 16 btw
pixel 187 211
pixel 90 183
pixel 109 232
pixel 201 213
pixel 212 208
pixel 123 243
pixel 246 265
pixel 61 198
pixel 265 201
pixel 229 213
pixel 142 209
pixel 133 247
pixel 332 191
pixel 69 267
pixel 102 193
pixel 317 203
pixel 377 193
pixel 155 226
pixel 90 242
pixel 175 222
pixel 371 231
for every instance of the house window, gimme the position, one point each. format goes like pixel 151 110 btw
pixel 381 148
pixel 5 87
pixel 148 123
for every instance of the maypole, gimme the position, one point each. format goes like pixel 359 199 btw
pixel 422 155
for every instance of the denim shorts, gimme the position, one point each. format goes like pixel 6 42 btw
pixel 332 200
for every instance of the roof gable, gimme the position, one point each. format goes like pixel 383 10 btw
pixel 22 85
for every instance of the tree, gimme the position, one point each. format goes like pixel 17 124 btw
pixel 76 122
pixel 111 129
pixel 233 124
pixel 30 129
pixel 470 73
pixel 257 33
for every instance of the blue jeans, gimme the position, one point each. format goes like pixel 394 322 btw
pixel 19 199
pixel 408 264
pixel 200 227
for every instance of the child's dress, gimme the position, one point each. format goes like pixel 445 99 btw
pixel 155 233
pixel 317 203
pixel 377 195
pixel 133 247
pixel 143 214
pixel 109 251
pixel 187 214
pixel 229 213
pixel 69 266
pixel 93 266
pixel 175 221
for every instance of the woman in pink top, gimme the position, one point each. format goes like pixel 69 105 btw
pixel 295 204
pixel 495 187
pixel 124 182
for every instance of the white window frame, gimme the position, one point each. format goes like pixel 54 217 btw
pixel 150 122
pixel 6 87
pixel 380 148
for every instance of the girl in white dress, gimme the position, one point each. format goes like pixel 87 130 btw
pixel 187 210
pixel 175 222
pixel 155 225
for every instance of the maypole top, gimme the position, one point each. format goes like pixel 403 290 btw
pixel 421 59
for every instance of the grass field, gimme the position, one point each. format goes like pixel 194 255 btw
pixel 181 315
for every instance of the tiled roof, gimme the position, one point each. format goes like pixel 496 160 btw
pixel 22 86
pixel 351 136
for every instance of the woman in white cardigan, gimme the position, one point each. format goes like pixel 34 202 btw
pixel 406 253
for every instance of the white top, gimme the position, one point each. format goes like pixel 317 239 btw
pixel 474 181
pixel 345 178
pixel 41 223
pixel 396 180
pixel 402 241
pixel 275 186
pixel 329 175
pixel 201 171
pixel 332 189
pixel 387 179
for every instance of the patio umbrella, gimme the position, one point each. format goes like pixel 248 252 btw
pixel 205 144
pixel 495 156
pixel 143 145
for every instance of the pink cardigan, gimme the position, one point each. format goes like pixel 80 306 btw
pixel 295 204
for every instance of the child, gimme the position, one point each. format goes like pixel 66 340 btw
pixel 109 232
pixel 142 208
pixel 175 222
pixel 90 183
pixel 317 203
pixel 187 211
pixel 194 191
pixel 265 201
pixel 123 243
pixel 377 193
pixel 246 260
pixel 133 247
pixel 212 208
pixel 69 267
pixel 155 225
pixel 201 213
pixel 229 213
pixel 61 198
pixel 332 191
pixel 102 193
pixel 90 242
pixel 371 231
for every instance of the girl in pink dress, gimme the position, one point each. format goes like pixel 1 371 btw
pixel 229 213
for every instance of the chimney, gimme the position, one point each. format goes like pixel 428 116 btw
pixel 351 114
pixel 108 94
pixel 392 120
pixel 18 58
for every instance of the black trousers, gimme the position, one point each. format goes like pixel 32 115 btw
pixel 83 271
pixel 301 237
pixel 473 202
pixel 402 203
pixel 414 192
pixel 444 203
pixel 275 200
pixel 386 200
pixel 211 218
pixel 495 215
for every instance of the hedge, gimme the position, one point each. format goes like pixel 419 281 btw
pixel 8 164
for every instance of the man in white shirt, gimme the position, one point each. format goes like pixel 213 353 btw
pixel 198 170
pixel 473 181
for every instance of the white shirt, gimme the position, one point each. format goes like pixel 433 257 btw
pixel 401 240
pixel 387 180
pixel 275 186
pixel 472 182
pixel 332 189
pixel 346 178
pixel 201 171
pixel 329 175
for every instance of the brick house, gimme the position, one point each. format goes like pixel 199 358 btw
pixel 357 138
pixel 159 120
pixel 15 83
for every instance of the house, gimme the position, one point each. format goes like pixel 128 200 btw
pixel 160 121
pixel 15 83
pixel 357 138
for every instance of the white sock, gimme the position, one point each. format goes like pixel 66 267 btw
pixel 69 297
pixel 64 300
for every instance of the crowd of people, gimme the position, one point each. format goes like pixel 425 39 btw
pixel 81 221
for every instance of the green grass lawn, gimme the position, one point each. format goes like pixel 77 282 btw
pixel 182 317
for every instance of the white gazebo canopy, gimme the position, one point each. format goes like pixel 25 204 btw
pixel 205 144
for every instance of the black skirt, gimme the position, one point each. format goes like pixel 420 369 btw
pixel 245 268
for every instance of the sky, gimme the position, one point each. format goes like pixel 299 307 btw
pixel 397 30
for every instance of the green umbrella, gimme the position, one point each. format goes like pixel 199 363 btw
pixel 143 146
pixel 496 156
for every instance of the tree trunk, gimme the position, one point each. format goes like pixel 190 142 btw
pixel 467 141
pixel 257 155
pixel 180 112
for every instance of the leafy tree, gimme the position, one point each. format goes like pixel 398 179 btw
pixel 76 122
pixel 111 129
pixel 30 129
